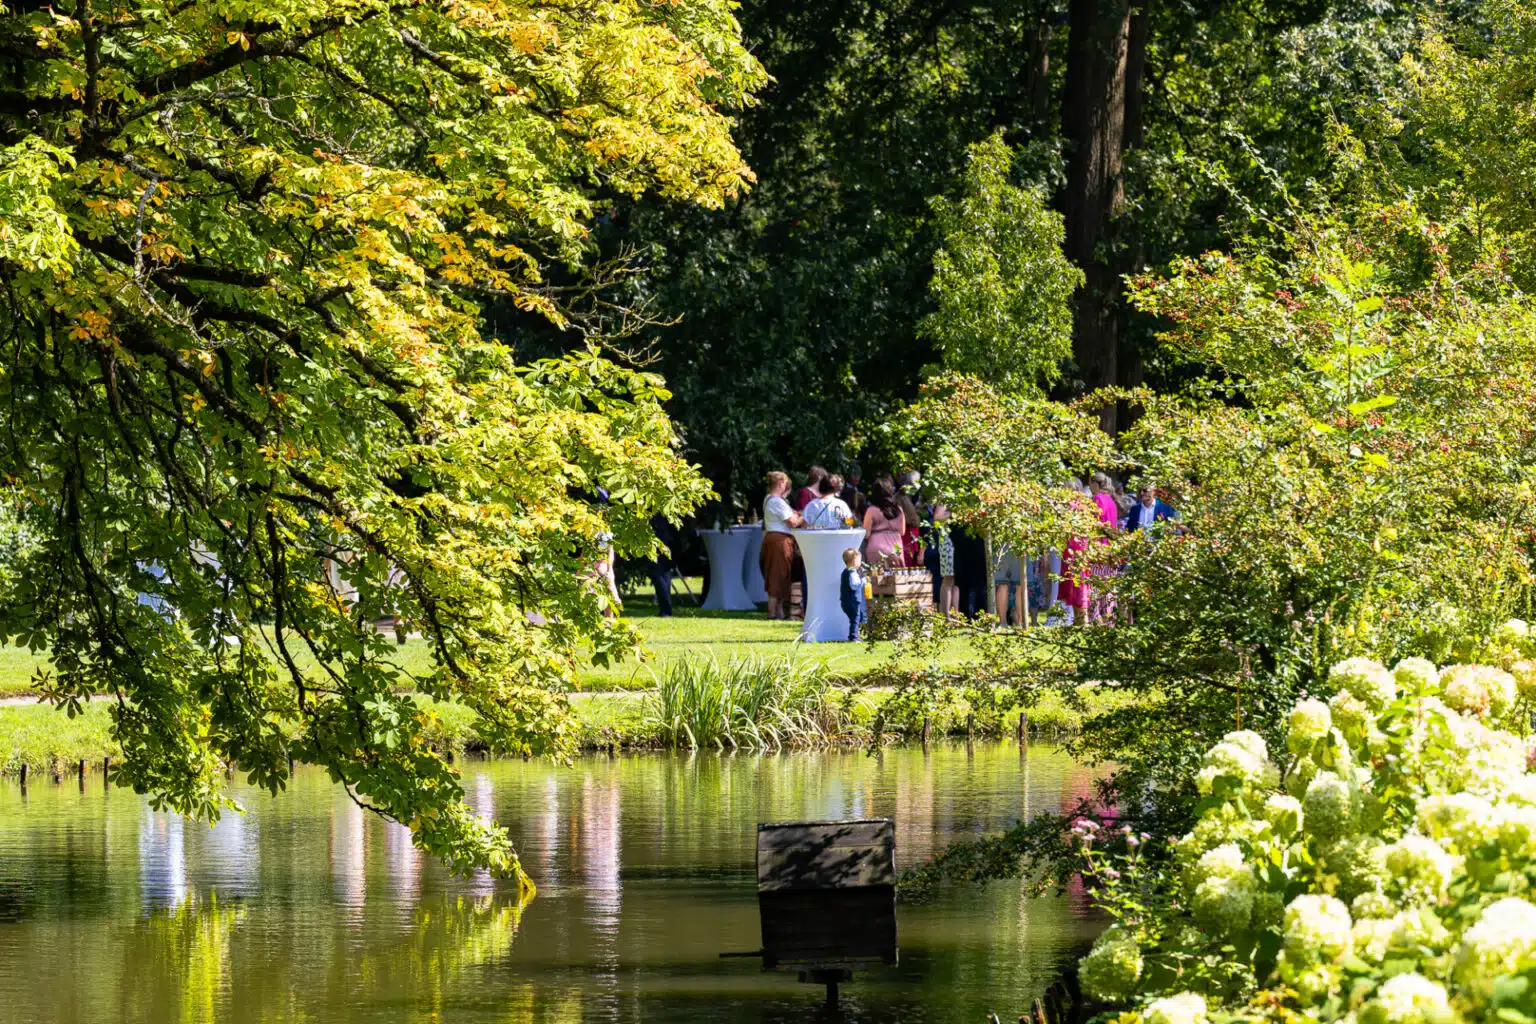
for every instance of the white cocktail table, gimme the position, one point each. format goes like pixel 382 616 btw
pixel 752 566
pixel 822 551
pixel 726 550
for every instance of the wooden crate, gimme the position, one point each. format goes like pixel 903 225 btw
pixel 914 587
pixel 826 893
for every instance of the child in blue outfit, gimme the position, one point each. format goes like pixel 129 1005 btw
pixel 850 592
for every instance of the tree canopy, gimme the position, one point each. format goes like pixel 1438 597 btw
pixel 246 408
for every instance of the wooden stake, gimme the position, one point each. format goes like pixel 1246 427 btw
pixel 970 727
pixel 106 772
pixel 925 732
pixel 82 774
pixel 23 776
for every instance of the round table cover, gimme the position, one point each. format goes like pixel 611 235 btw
pixel 726 552
pixel 822 551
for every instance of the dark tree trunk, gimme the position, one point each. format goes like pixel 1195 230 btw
pixel 1038 79
pixel 1101 117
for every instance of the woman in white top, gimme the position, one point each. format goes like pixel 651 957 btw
pixel 778 552
pixel 829 511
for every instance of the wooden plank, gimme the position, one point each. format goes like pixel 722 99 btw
pixel 826 855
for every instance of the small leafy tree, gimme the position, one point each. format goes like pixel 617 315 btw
pixel 245 393
pixel 1001 284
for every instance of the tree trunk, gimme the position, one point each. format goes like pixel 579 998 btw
pixel 1102 103
pixel 1038 77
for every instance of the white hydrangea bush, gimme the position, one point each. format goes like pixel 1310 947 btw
pixel 1380 870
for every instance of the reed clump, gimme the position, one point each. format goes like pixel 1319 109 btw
pixel 753 702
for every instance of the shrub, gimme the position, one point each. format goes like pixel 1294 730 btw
pixel 1386 877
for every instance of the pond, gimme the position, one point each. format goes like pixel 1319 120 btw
pixel 308 909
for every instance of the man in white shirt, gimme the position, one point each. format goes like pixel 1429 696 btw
pixel 829 511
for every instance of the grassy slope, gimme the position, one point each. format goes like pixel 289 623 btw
pixel 689 633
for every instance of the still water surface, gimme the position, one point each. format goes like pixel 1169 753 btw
pixel 305 909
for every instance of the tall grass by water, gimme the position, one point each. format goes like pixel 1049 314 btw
pixel 753 702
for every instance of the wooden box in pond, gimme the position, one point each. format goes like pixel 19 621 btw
pixel 826 892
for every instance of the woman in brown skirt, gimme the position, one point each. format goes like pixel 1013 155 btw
pixel 778 552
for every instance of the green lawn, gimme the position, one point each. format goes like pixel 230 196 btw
pixel 688 633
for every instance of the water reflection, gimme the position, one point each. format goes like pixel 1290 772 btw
pixel 310 909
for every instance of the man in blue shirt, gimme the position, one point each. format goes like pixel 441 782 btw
pixel 1149 510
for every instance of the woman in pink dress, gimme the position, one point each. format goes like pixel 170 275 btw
pixel 1103 490
pixel 1073 591
pixel 884 525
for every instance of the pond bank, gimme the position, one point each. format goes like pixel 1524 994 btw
pixel 49 742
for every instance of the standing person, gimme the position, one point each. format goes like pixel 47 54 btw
pixel 829 511
pixel 948 601
pixel 911 537
pixel 778 552
pixel 884 525
pixel 852 495
pixel 807 494
pixel 1010 585
pixel 661 565
pixel 971 572
pixel 850 592
pixel 1149 510
pixel 1073 589
pixel 1102 490
pixel 1124 500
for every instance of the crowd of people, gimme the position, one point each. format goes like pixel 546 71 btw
pixel 904 529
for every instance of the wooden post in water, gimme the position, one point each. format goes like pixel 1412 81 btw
pixel 106 772
pixel 23 776
pixel 925 732
pixel 970 727
pixel 82 775
pixel 879 728
pixel 1023 730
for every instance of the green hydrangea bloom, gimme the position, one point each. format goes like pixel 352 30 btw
pixel 1374 905
pixel 1460 820
pixel 1417 869
pixel 1349 712
pixel 1112 969
pixel 1329 806
pixel 1479 690
pixel 1308 722
pixel 1417 676
pixel 1524 674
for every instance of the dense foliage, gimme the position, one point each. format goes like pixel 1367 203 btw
pixel 246 403
pixel 1384 876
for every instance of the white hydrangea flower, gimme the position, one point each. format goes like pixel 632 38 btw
pixel 1407 999
pixel 1371 938
pixel 1524 673
pixel 1503 936
pixel 1112 969
pixel 1241 755
pixel 1308 722
pixel 1224 906
pixel 1329 806
pixel 1317 929
pixel 1479 690
pixel 1184 1008
pixel 1519 789
pixel 1417 868
pixel 1284 814
pixel 1461 820
pixel 1417 930
pixel 1417 676
pixel 1367 681
pixel 1349 712
pixel 1355 861
pixel 1515 824
pixel 1372 904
